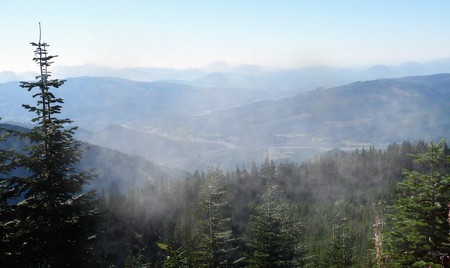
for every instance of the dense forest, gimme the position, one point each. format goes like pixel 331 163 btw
pixel 339 210
pixel 328 212
pixel 363 208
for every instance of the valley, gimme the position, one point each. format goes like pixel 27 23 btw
pixel 225 134
pixel 191 128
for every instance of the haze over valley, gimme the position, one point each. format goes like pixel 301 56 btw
pixel 240 81
pixel 193 124
pixel 225 134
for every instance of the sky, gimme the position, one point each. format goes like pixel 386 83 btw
pixel 184 34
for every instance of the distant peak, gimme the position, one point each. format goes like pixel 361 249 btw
pixel 218 66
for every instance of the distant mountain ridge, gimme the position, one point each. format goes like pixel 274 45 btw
pixel 95 102
pixel 359 114
pixel 381 110
pixel 221 74
pixel 192 127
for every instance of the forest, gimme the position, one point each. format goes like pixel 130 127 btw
pixel 339 210
pixel 365 208
pixel 344 209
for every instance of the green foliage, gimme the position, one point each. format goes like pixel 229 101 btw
pixel 341 245
pixel 307 203
pixel 418 221
pixel 314 214
pixel 49 220
pixel 6 211
pixel 214 227
pixel 177 259
pixel 266 227
pixel 275 235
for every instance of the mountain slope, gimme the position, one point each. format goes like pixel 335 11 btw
pixel 373 111
pixel 173 151
pixel 187 127
pixel 115 170
pixel 96 102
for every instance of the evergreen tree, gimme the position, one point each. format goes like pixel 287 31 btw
pixel 215 224
pixel 275 235
pixel 418 229
pixel 341 250
pixel 265 226
pixel 6 212
pixel 54 219
pixel 177 259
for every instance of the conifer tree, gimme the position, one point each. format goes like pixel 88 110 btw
pixel 215 226
pixel 265 226
pixel 275 236
pixel 418 228
pixel 54 219
pixel 6 213
pixel 341 247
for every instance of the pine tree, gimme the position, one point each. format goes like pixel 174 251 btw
pixel 275 235
pixel 6 212
pixel 215 225
pixel 418 227
pixel 177 259
pixel 54 219
pixel 341 250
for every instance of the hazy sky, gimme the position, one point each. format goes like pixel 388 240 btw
pixel 195 33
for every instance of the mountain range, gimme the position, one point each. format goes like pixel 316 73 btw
pixel 223 74
pixel 120 101
pixel 191 126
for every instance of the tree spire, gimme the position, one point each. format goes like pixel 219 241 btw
pixel 52 218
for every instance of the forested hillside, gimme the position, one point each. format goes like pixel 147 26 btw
pixel 114 169
pixel 66 204
pixel 321 213
pixel 341 209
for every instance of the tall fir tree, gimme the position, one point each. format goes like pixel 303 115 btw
pixel 341 244
pixel 418 230
pixel 275 235
pixel 215 235
pixel 54 219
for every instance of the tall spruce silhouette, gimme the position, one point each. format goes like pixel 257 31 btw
pixel 50 219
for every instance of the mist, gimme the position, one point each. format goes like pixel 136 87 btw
pixel 230 115
pixel 323 149
pixel 231 134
